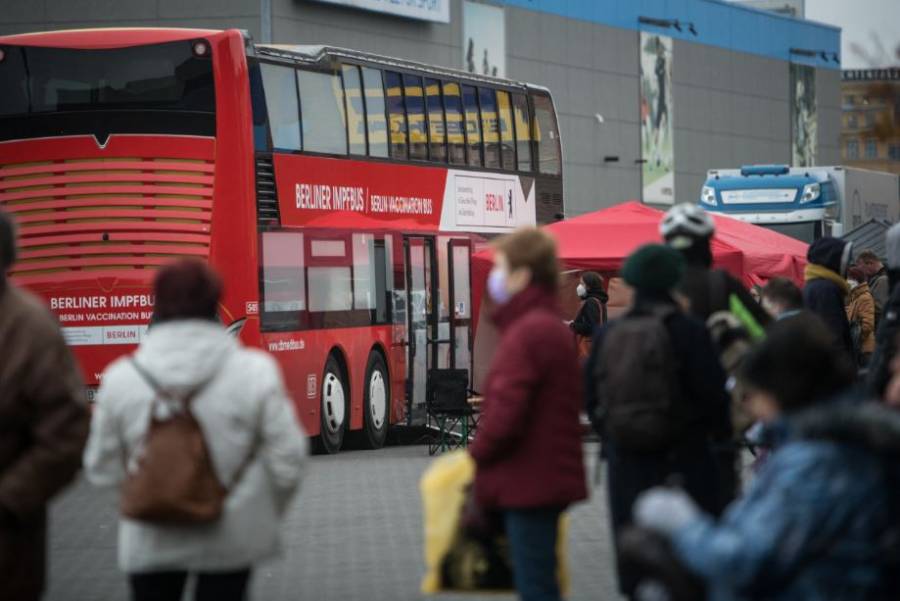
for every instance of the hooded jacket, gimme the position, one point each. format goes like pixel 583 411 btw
pixel 811 523
pixel 242 408
pixel 528 450
pixel 592 313
pixel 826 290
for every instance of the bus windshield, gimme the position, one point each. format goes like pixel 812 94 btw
pixel 40 82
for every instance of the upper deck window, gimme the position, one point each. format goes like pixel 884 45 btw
pixel 356 111
pixel 280 84
pixel 490 127
pixel 396 114
pixel 322 106
pixel 547 136
pixel 456 133
pixel 116 84
pixel 436 129
pixel 507 130
pixel 523 131
pixel 473 125
pixel 376 122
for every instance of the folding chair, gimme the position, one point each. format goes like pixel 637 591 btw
pixel 450 415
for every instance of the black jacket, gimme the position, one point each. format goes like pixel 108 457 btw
pixel 592 313
pixel 885 341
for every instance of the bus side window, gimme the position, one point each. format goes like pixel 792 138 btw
pixel 322 103
pixel 523 131
pixel 376 122
pixel 356 113
pixel 415 114
pixel 281 104
pixel 473 125
pixel 436 129
pixel 489 126
pixel 396 114
pixel 283 280
pixel 371 266
pixel 507 135
pixel 258 107
pixel 456 136
pixel 329 275
pixel 547 135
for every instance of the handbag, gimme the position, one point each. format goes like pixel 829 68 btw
pixel 175 481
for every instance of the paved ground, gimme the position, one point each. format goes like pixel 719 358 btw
pixel 353 533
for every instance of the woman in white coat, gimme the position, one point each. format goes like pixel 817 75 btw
pixel 254 440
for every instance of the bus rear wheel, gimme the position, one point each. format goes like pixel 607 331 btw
pixel 376 402
pixel 333 408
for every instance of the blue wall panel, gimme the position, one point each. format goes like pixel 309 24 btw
pixel 718 23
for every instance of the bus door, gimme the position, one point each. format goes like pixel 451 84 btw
pixel 460 292
pixel 421 322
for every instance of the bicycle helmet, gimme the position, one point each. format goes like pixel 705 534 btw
pixel 686 220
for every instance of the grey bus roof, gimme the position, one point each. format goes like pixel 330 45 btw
pixel 318 54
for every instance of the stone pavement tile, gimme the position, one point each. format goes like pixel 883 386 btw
pixel 353 533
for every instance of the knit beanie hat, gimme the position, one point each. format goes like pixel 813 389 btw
pixel 653 268
pixel 892 247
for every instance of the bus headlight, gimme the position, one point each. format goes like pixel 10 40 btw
pixel 708 196
pixel 810 193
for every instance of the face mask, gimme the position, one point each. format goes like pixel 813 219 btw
pixel 581 291
pixel 496 286
pixel 853 283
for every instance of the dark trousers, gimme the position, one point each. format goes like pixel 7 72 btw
pixel 169 586
pixel 532 535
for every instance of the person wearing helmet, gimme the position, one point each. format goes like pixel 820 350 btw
pixel 706 292
pixel 689 229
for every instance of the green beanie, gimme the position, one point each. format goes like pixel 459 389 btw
pixel 653 268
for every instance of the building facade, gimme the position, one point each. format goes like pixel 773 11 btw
pixel 870 119
pixel 650 94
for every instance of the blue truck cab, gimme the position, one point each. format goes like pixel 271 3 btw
pixel 793 201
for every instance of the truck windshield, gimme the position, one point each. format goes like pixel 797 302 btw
pixel 160 88
pixel 808 231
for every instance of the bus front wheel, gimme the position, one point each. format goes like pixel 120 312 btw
pixel 376 402
pixel 333 410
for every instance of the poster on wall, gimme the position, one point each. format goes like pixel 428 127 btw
pixel 484 39
pixel 657 148
pixel 804 131
pixel 425 10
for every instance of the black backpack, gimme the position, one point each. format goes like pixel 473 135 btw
pixel 637 384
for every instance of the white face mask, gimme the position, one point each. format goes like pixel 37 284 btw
pixel 581 291
pixel 853 283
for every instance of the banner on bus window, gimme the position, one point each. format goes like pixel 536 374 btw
pixel 425 10
pixel 343 193
pixel 804 130
pixel 657 146
pixel 484 39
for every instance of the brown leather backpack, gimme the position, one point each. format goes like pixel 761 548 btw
pixel 175 481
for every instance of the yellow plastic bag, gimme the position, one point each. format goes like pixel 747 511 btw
pixel 443 493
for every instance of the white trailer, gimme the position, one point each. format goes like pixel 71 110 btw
pixel 862 195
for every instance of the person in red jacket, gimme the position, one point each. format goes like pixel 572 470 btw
pixel 528 453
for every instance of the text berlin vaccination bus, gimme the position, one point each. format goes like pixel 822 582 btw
pixel 337 192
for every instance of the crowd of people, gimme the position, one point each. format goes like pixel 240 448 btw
pixel 695 374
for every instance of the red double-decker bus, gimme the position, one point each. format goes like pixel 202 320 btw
pixel 337 192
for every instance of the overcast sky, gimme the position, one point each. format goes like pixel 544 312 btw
pixel 872 25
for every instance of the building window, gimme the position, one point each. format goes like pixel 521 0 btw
pixel 870 119
pixel 850 99
pixel 852 149
pixel 894 152
pixel 872 149
pixel 376 122
pixel 322 106
pixel 281 103
pixel 852 122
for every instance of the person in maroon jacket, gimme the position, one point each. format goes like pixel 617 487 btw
pixel 528 453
